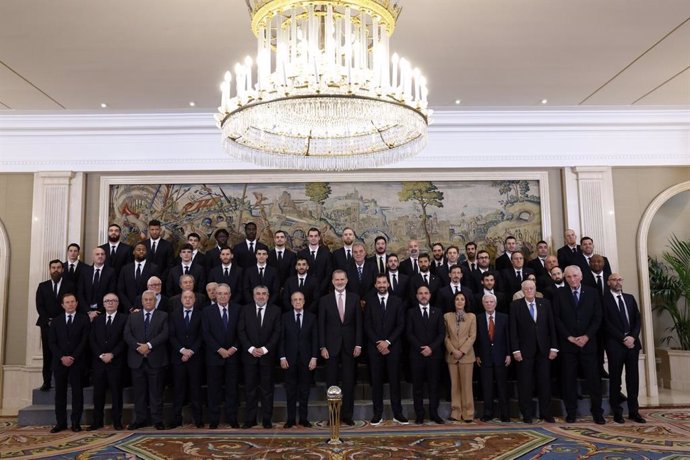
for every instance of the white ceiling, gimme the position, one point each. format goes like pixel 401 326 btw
pixel 151 55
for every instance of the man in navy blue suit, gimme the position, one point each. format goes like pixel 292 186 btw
pixel 298 351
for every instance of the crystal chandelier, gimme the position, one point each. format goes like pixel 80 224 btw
pixel 323 92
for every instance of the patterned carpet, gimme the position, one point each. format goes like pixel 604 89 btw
pixel 665 436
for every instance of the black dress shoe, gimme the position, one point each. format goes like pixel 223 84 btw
pixel 637 418
pixel 505 419
pixel 118 427
pixel 136 425
pixel 159 426
pixel 76 428
pixel 267 425
pixel 348 422
pixel 453 419
pixel 622 397
pixel 248 425
pixel 174 425
pixel 305 423
pixel 618 418
pixel 599 420
pixel 527 420
pixel 234 425
pixel 419 420
pixel 213 425
pixel 486 418
pixel 468 420
pixel 289 424
pixel 58 428
pixel 94 427
pixel 199 424
pixel 45 387
pixel 438 420
pixel 549 419
pixel 570 419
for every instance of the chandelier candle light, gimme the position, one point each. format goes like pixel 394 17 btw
pixel 323 92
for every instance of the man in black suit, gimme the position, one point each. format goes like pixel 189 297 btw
pixel 557 282
pixel 72 267
pixel 305 283
pixel 488 286
pixel 107 353
pixel 452 259
pixel 187 284
pixel 245 252
pixel 117 254
pixel 282 258
pixel 146 336
pixel 483 265
pixel 437 257
pixel 342 257
pixel 219 325
pixel 424 278
pixel 384 325
pixel 95 282
pixel 185 267
pixel 470 262
pixel 69 334
pixel 163 303
pixel 213 256
pixel 380 257
pixel 538 264
pixel 515 275
pixel 340 339
pixel 492 351
pixel 596 276
pixel 298 350
pixel 446 295
pixel 410 266
pixel 159 251
pixel 259 333
pixel 319 257
pixel 187 358
pixel 567 254
pixel 425 334
pixel 48 295
pixel 198 257
pixel 545 280
pixel 622 322
pixel 134 276
pixel 584 258
pixel 578 315
pixel 534 345
pixel 505 259
pixel 360 275
pixel 261 274
pixel 228 273
pixel 399 282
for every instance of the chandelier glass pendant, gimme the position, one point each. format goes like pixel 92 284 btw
pixel 323 92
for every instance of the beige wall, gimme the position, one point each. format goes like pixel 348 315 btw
pixel 16 196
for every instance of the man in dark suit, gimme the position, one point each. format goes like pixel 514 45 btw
pixel 72 267
pixel 146 336
pixel 48 295
pixel 213 256
pixel 185 267
pixel 492 352
pixel 515 275
pixel 534 345
pixel 488 286
pixel 578 314
pixel 380 257
pixel 584 258
pixel 437 258
pixel 384 325
pixel 342 257
pixel 282 258
pixel 69 334
pixel 410 266
pixel 187 283
pixel 134 276
pixel 446 295
pixel 305 283
pixel 340 339
pixel 505 259
pixel 622 322
pixel 360 275
pixel 298 350
pixel 117 254
pixel 228 273
pixel 425 334
pixel 424 278
pixel 159 251
pixel 198 257
pixel 259 333
pixel 219 325
pixel 95 282
pixel 187 358
pixel 319 257
pixel 163 303
pixel 452 259
pixel 245 252
pixel 596 276
pixel 107 353
pixel 567 254
pixel 544 280
pixel 470 262
pixel 399 282
pixel 557 282
pixel 261 274
pixel 538 264
pixel 483 266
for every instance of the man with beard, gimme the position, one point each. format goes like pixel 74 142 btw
pixel 159 251
pixel 343 256
pixel 319 257
pixel 282 258
pixel 380 257
pixel 424 278
pixel 470 262
pixel 557 281
pixel 505 260
pixel 213 256
pixel 305 283
pixel 538 264
pixel 488 286
pixel 446 295
pixel 398 281
pixel 437 257
pixel 117 254
pixel 134 276
pixel 228 273
pixel 410 266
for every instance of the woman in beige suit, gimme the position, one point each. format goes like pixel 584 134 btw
pixel 461 330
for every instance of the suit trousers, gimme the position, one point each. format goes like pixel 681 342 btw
pixel 425 369
pixel 258 375
pixel 348 366
pixel 222 386
pixel 590 367
pixel 390 363
pixel 187 379
pixel 107 376
pixel 297 386
pixel 461 398
pixel 527 369
pixel 73 376
pixel 148 389
pixel 618 359
pixel 47 355
pixel 496 374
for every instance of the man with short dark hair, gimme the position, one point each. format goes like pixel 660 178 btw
pixel 398 281
pixel 342 256
pixel 213 256
pixel 72 267
pixel 319 257
pixel 516 274
pixel 198 257
pixel 185 267
pixel 380 257
pixel 117 254
pixel 158 250
pixel 134 276
pixel 510 246
pixel 282 258
pixel 424 278
pixel 228 273
pixel 261 274
pixel 538 264
pixel 305 283
pixel 245 252
pixel 470 261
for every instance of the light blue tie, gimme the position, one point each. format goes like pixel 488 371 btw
pixel 532 311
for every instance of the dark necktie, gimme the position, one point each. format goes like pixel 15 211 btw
pixel 227 272
pixel 147 323
pixel 426 279
pixel 574 250
pixel 415 267
pixel 600 286
pixel 55 290
pixel 492 327
pixel 425 314
pixel 348 257
pixel 71 269
pixel 299 320
pixel 225 317
pixel 382 267
pixel 258 315
pixel 108 323
pixel 624 317
pixel 112 251
pixel 395 282
pixel 456 289
pixel 153 248
pixel 359 272
pixel 518 275
pixel 251 247
pixel 261 274
pixel 69 325
pixel 383 305
pixel 137 275
pixel 96 277
pixel 576 297
pixel 187 319
pixel 280 256
pixel 186 270
pixel 473 266
pixel 313 255
pixel 301 282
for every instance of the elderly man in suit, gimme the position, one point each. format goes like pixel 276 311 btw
pixel 534 345
pixel 219 325
pixel 384 325
pixel 340 339
pixel 622 324
pixel 578 316
pixel 492 353
pixel 107 352
pixel 48 295
pixel 69 334
pixel 298 350
pixel 146 336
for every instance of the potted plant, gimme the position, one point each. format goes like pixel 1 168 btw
pixel 669 283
